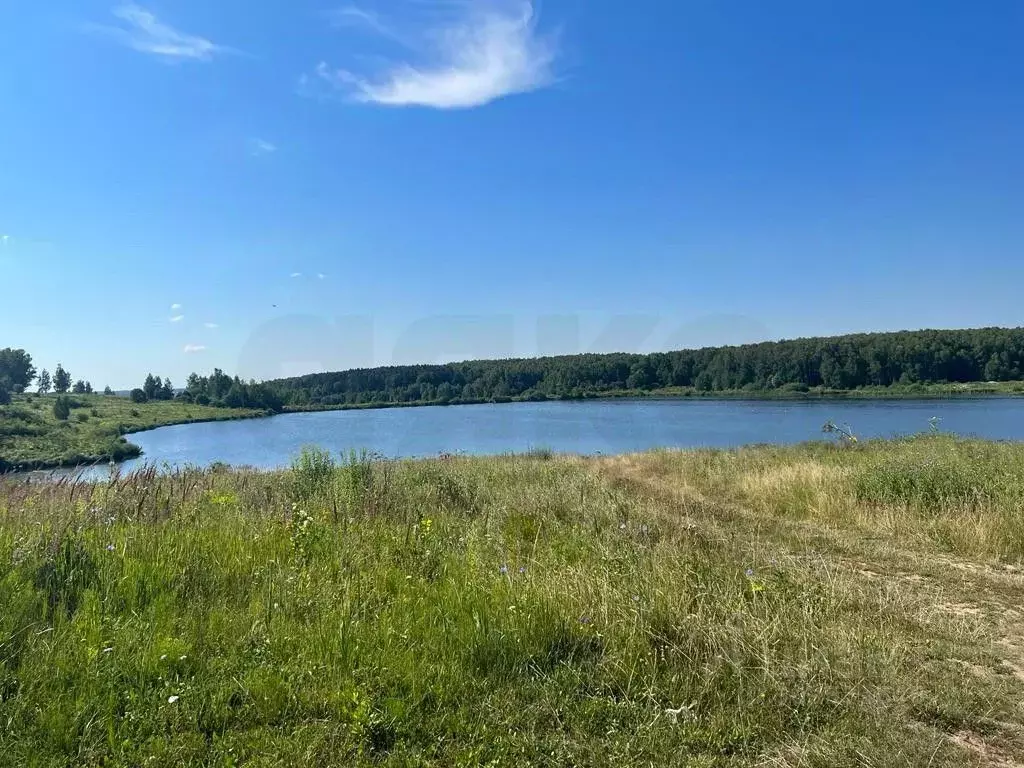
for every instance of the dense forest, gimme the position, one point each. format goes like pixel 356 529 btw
pixel 837 363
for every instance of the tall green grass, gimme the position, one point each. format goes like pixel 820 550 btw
pixel 455 612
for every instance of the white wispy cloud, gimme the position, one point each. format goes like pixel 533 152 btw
pixel 175 307
pixel 142 31
pixel 259 147
pixel 177 318
pixel 350 16
pixel 211 326
pixel 296 274
pixel 488 50
pixel 4 239
pixel 191 349
pixel 320 275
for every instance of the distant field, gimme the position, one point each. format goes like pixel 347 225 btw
pixel 31 437
pixel 817 605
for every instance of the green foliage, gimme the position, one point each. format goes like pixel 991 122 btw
pixel 221 390
pixel 932 475
pixel 62 408
pixel 312 473
pixel 82 388
pixel 45 383
pixel 16 370
pixel 138 396
pixel 108 391
pixel 31 435
pixel 906 360
pixel 356 476
pixel 61 380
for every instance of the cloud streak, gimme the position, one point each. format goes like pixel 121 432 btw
pixel 191 349
pixel 142 31
pixel 258 147
pixel 296 274
pixel 175 307
pixel 176 318
pixel 211 326
pixel 488 51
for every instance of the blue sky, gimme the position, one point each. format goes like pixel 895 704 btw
pixel 280 187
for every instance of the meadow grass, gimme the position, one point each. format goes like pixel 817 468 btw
pixel 31 437
pixel 809 606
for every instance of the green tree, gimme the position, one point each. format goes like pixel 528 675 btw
pixel 79 388
pixel 5 393
pixel 138 395
pixel 62 408
pixel 45 384
pixel 167 390
pixel 61 380
pixel 151 387
pixel 16 369
pixel 108 391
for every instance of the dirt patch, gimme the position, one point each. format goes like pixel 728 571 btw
pixel 986 753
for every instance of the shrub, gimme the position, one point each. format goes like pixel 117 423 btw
pixel 81 417
pixel 357 476
pixel 62 408
pixel 138 396
pixel 312 471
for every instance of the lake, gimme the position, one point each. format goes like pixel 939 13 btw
pixel 590 427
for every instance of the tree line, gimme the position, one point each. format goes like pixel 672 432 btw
pixel 17 373
pixel 833 363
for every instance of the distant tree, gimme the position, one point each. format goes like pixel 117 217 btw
pixel 16 369
pixel 108 391
pixel 79 388
pixel 61 380
pixel 45 384
pixel 139 395
pixel 151 387
pixel 88 388
pixel 167 390
pixel 62 408
pixel 5 393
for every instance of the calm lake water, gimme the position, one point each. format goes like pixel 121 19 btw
pixel 607 426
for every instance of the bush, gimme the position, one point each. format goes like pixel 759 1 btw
pixel 357 474
pixel 138 396
pixel 311 472
pixel 81 417
pixel 62 408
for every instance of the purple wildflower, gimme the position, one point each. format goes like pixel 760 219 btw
pixel 503 570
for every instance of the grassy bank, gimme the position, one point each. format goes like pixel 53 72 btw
pixel 31 437
pixel 815 605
